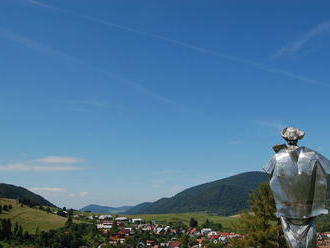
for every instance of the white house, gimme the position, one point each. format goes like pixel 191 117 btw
pixel 104 225
pixel 206 230
pixel 105 217
pixel 137 220
pixel 121 219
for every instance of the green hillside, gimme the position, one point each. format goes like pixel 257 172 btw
pixel 226 196
pixel 226 222
pixel 15 192
pixel 31 218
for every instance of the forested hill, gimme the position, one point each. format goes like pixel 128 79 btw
pixel 15 192
pixel 226 196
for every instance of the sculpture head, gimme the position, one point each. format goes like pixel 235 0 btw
pixel 292 135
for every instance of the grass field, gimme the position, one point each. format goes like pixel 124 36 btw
pixel 226 222
pixel 30 218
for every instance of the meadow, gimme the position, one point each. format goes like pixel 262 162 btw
pixel 30 218
pixel 226 222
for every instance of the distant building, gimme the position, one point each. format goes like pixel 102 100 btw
pixel 206 230
pixel 121 219
pixel 137 221
pixel 174 244
pixel 105 217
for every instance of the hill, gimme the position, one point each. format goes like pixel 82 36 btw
pixel 104 209
pixel 15 192
pixel 31 218
pixel 226 196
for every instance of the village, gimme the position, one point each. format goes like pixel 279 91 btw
pixel 123 230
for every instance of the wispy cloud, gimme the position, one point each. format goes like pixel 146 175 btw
pixel 48 51
pixel 83 194
pixel 260 66
pixel 37 168
pixel 45 164
pixel 300 43
pixel 47 190
pixel 59 160
pixel 55 191
pixel 272 124
pixel 80 194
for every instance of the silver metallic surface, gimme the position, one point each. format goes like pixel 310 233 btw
pixel 299 182
pixel 299 234
pixel 299 185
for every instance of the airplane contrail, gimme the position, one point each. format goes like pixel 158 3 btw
pixel 240 60
pixel 46 50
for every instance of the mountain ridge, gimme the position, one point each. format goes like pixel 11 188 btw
pixel 95 208
pixel 11 191
pixel 225 196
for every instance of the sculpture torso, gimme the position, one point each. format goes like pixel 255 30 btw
pixel 299 182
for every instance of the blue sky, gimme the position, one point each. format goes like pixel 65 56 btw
pixel 121 102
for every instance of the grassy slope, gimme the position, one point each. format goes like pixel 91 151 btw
pixel 185 217
pixel 31 218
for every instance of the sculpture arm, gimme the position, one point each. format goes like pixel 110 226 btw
pixel 270 166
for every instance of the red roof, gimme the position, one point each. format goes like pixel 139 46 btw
pixel 174 244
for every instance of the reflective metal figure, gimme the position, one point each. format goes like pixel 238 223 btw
pixel 299 185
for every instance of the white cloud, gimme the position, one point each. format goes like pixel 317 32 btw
pixel 37 168
pixel 48 190
pixel 80 194
pixel 299 44
pixel 59 160
pixel 50 163
pixel 83 194
pixel 263 67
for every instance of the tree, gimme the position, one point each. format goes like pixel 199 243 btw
pixel 193 222
pixel 261 226
pixel 214 226
pixel 69 220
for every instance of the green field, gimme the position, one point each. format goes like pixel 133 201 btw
pixel 226 222
pixel 30 218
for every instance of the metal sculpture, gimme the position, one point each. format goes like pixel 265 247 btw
pixel 299 185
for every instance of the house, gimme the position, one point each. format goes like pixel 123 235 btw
pixel 174 244
pixel 105 217
pixel 123 233
pixel 158 230
pixel 104 225
pixel 137 221
pixel 206 230
pixel 213 235
pixel 121 219
pixel 150 242
pixel 194 232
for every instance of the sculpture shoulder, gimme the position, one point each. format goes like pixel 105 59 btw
pixel 313 154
